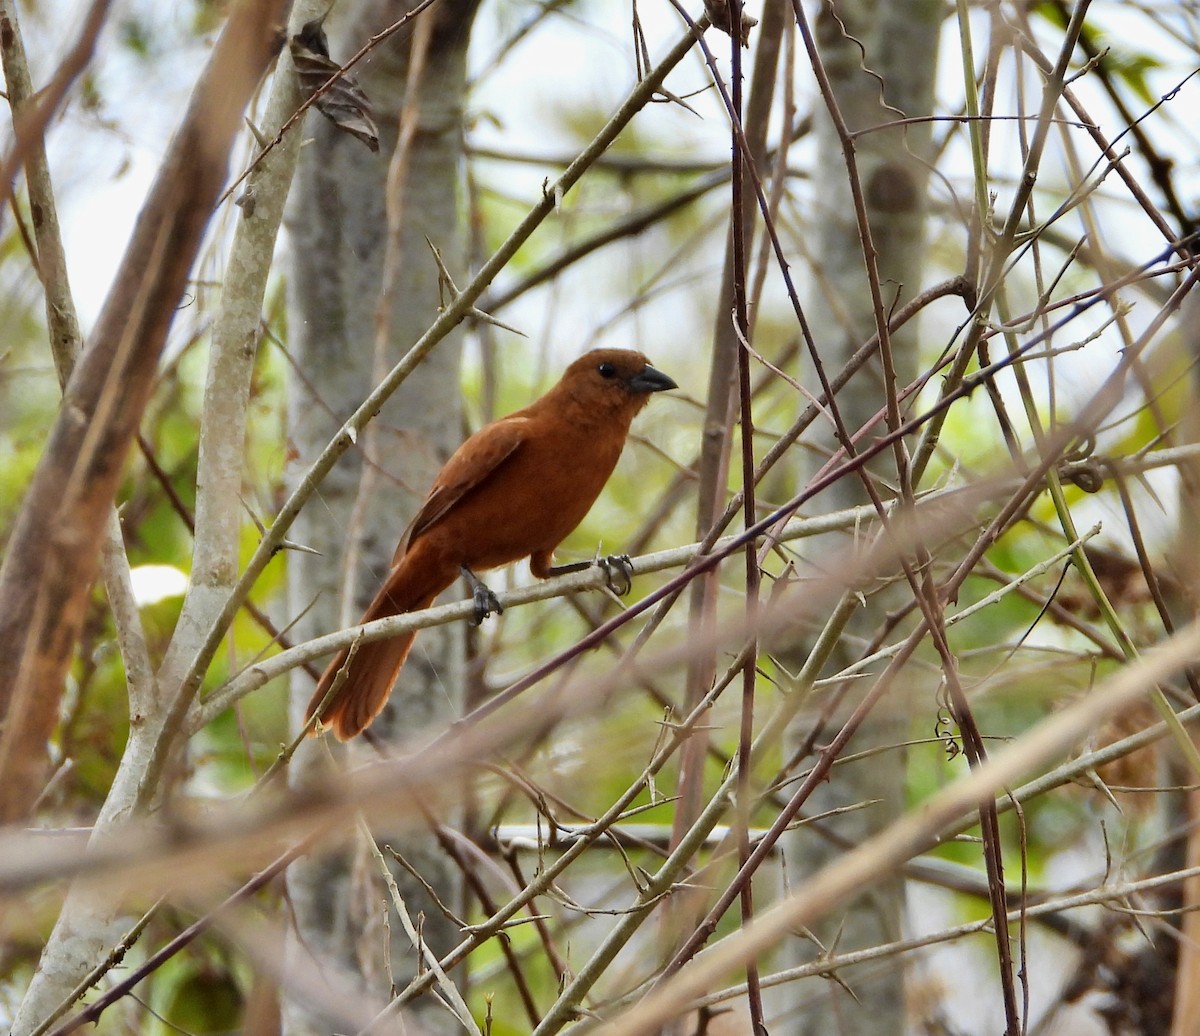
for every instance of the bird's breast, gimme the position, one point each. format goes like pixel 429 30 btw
pixel 532 502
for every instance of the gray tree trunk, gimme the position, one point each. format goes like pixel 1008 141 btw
pixel 340 249
pixel 900 43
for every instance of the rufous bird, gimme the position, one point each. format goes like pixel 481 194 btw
pixel 515 489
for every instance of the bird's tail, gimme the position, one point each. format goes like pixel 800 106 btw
pixel 375 666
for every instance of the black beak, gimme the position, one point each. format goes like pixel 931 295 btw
pixel 650 379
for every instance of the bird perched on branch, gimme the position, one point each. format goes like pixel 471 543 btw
pixel 514 489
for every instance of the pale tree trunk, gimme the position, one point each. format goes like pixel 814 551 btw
pixel 900 43
pixel 346 283
pixel 1185 568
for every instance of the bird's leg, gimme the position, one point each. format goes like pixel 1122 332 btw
pixel 486 602
pixel 618 571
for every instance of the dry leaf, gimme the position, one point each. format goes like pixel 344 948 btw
pixel 718 14
pixel 343 103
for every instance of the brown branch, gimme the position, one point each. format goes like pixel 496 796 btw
pixel 54 551
pixel 764 77
pixel 31 123
pixel 729 366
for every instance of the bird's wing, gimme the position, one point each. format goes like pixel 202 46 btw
pixel 467 467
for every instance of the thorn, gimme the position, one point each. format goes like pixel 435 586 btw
pixel 300 548
pixel 487 318
pixel 262 140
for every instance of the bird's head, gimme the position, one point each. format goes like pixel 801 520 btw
pixel 616 380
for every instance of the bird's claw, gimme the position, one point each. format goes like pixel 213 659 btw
pixel 486 603
pixel 618 571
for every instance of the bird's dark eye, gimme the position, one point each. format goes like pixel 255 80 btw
pixel 607 370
